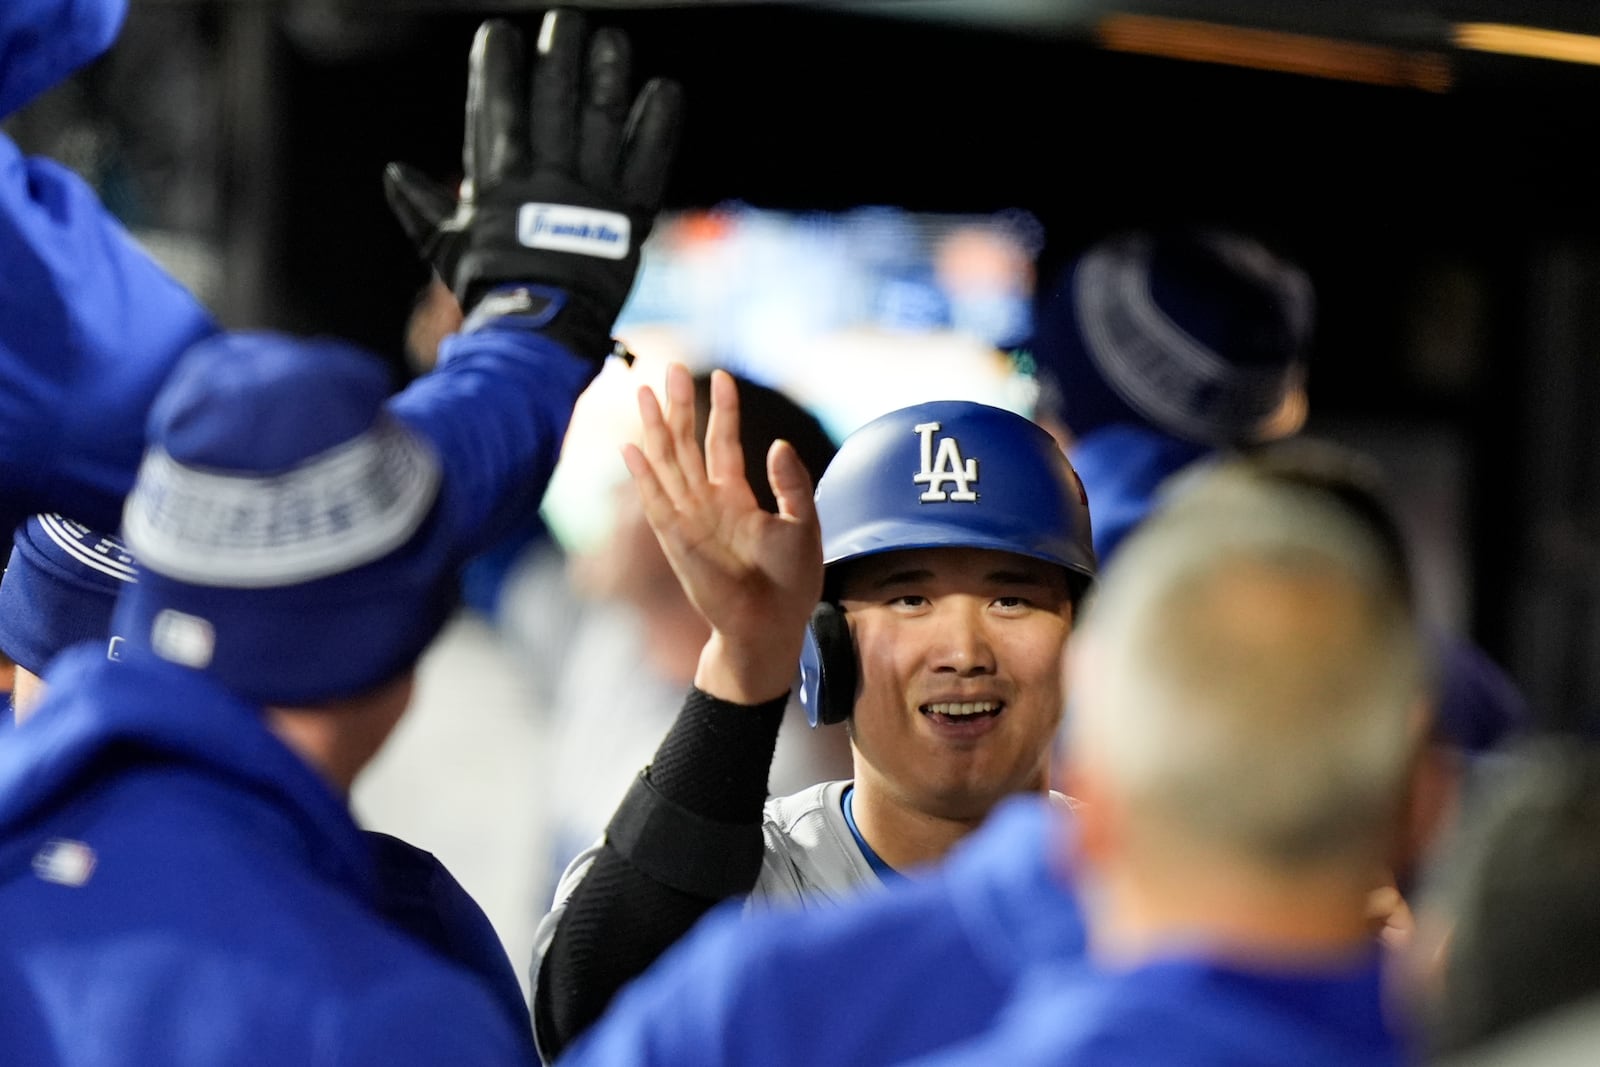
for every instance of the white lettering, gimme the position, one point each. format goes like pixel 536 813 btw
pixel 580 230
pixel 945 465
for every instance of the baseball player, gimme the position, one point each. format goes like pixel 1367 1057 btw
pixel 1160 349
pixel 60 589
pixel 179 817
pixel 931 584
pixel 89 324
pixel 939 962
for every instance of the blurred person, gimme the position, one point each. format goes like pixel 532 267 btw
pixel 948 545
pixel 61 587
pixel 1156 348
pixel 611 628
pixel 180 816
pixel 90 325
pixel 1159 349
pixel 1508 951
pixel 8 673
pixel 1003 907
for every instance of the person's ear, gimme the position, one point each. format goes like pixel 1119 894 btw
pixel 1094 813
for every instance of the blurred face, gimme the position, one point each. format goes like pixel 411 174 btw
pixel 27 689
pixel 630 565
pixel 961 675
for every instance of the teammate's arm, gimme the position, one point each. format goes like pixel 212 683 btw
pixel 540 246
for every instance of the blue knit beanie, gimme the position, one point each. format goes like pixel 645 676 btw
pixel 1201 334
pixel 281 519
pixel 60 586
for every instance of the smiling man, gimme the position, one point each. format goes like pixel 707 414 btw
pixel 928 591
pixel 960 683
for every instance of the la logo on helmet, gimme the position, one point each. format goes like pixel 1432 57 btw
pixel 945 465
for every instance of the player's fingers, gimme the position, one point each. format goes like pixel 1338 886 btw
pixel 681 425
pixel 557 81
pixel 657 505
pixel 605 109
pixel 654 127
pixel 724 453
pixel 497 123
pixel 791 483
pixel 659 451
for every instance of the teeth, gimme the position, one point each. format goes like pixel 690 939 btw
pixel 976 707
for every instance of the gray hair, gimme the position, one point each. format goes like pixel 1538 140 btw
pixel 1250 675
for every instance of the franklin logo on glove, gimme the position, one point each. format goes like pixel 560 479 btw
pixel 561 182
pixel 568 229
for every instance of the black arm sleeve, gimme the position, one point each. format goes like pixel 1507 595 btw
pixel 687 836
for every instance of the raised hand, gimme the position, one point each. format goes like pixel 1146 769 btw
pixel 755 576
pixel 562 183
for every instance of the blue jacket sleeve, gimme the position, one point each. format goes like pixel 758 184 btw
pixel 89 327
pixel 496 410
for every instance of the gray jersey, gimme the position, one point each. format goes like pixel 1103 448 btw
pixel 810 856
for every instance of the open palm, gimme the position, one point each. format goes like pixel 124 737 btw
pixel 755 576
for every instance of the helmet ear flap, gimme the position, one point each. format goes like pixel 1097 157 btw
pixel 828 671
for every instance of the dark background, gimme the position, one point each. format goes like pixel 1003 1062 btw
pixel 1451 235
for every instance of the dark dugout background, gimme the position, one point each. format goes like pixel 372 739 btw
pixel 1451 234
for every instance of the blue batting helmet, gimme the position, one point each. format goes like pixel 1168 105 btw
pixel 947 474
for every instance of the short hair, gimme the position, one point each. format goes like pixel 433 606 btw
pixel 1249 675
pixel 1519 882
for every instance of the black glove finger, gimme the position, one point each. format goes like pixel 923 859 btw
pixel 418 202
pixel 605 109
pixel 497 123
pixel 557 76
pixel 648 144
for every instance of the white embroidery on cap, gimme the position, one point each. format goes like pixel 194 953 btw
pixel 351 505
pixel 95 550
pixel 64 862
pixel 183 638
pixel 947 465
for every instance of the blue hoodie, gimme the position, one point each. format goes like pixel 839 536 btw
pixel 89 324
pixel 177 887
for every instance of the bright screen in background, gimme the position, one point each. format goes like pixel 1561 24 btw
pixel 852 314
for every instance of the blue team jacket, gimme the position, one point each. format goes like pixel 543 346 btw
pixel 930 961
pixel 178 888
pixel 89 324
pixel 1186 1011
pixel 1122 466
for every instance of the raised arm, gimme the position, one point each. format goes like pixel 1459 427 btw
pixel 688 834
pixel 540 245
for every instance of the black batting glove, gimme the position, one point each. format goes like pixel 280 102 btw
pixel 562 184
